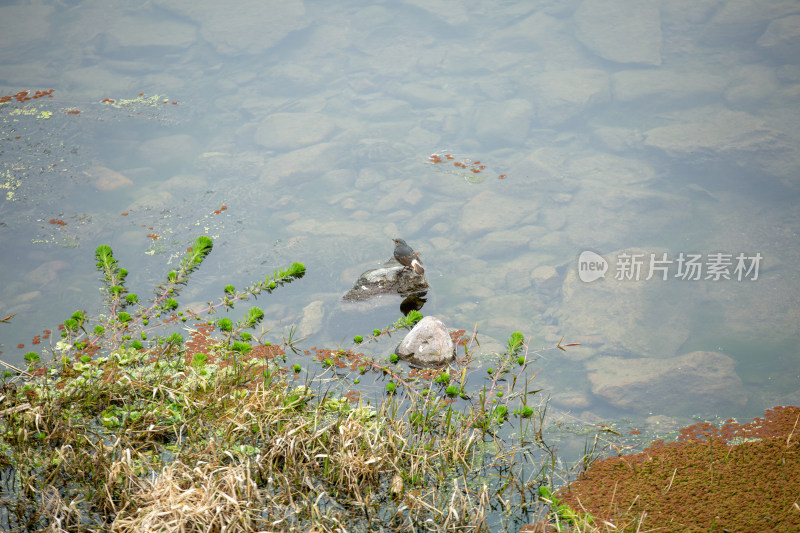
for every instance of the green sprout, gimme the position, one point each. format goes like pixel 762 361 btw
pixel 241 347
pixel 515 341
pixel 254 316
pixel 413 317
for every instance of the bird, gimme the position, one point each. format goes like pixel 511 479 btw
pixel 407 256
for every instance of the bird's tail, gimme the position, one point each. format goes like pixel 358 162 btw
pixel 416 264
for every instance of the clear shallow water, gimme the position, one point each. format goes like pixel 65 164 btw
pixel 657 129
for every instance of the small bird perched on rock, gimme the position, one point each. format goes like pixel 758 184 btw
pixel 407 256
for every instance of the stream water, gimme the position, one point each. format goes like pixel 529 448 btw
pixel 502 140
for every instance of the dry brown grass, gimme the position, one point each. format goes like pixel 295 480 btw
pixel 143 445
pixel 199 499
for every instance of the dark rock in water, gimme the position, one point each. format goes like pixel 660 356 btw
pixel 386 280
pixel 427 344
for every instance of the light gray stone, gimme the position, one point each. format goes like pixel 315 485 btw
pixel 489 211
pixel 311 323
pixel 427 344
pixel 545 277
pixel 169 148
pixel 682 13
pixel 621 31
pixel 697 382
pixel 131 32
pixel 782 39
pixel 711 130
pixel 382 151
pixel 662 85
pixel 740 21
pixel 618 139
pixel 612 169
pixel 425 94
pixel 562 95
pixel 22 26
pixel 503 123
pixel 751 84
pixel 185 182
pixel 247 28
pixel 502 242
pixel 301 164
pixel 644 318
pixel 290 131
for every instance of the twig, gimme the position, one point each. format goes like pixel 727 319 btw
pixel 670 481
pixel 15 369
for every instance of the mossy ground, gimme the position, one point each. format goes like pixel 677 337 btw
pixel 734 478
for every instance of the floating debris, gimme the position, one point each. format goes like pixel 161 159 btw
pixel 469 169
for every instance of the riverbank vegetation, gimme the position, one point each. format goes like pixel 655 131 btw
pixel 151 416
pixel 132 427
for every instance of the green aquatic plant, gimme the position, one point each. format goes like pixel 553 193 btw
pixel 525 411
pixel 128 315
pixel 254 316
pixel 515 342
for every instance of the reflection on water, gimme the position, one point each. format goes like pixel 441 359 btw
pixel 596 125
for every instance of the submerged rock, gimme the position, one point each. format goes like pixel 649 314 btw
pixel 427 344
pixel 386 280
pixel 290 131
pixel 106 179
pixel 625 32
pixel 631 317
pixel 696 382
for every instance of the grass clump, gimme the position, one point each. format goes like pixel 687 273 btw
pixel 164 441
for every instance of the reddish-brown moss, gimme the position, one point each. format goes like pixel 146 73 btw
pixel 711 479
